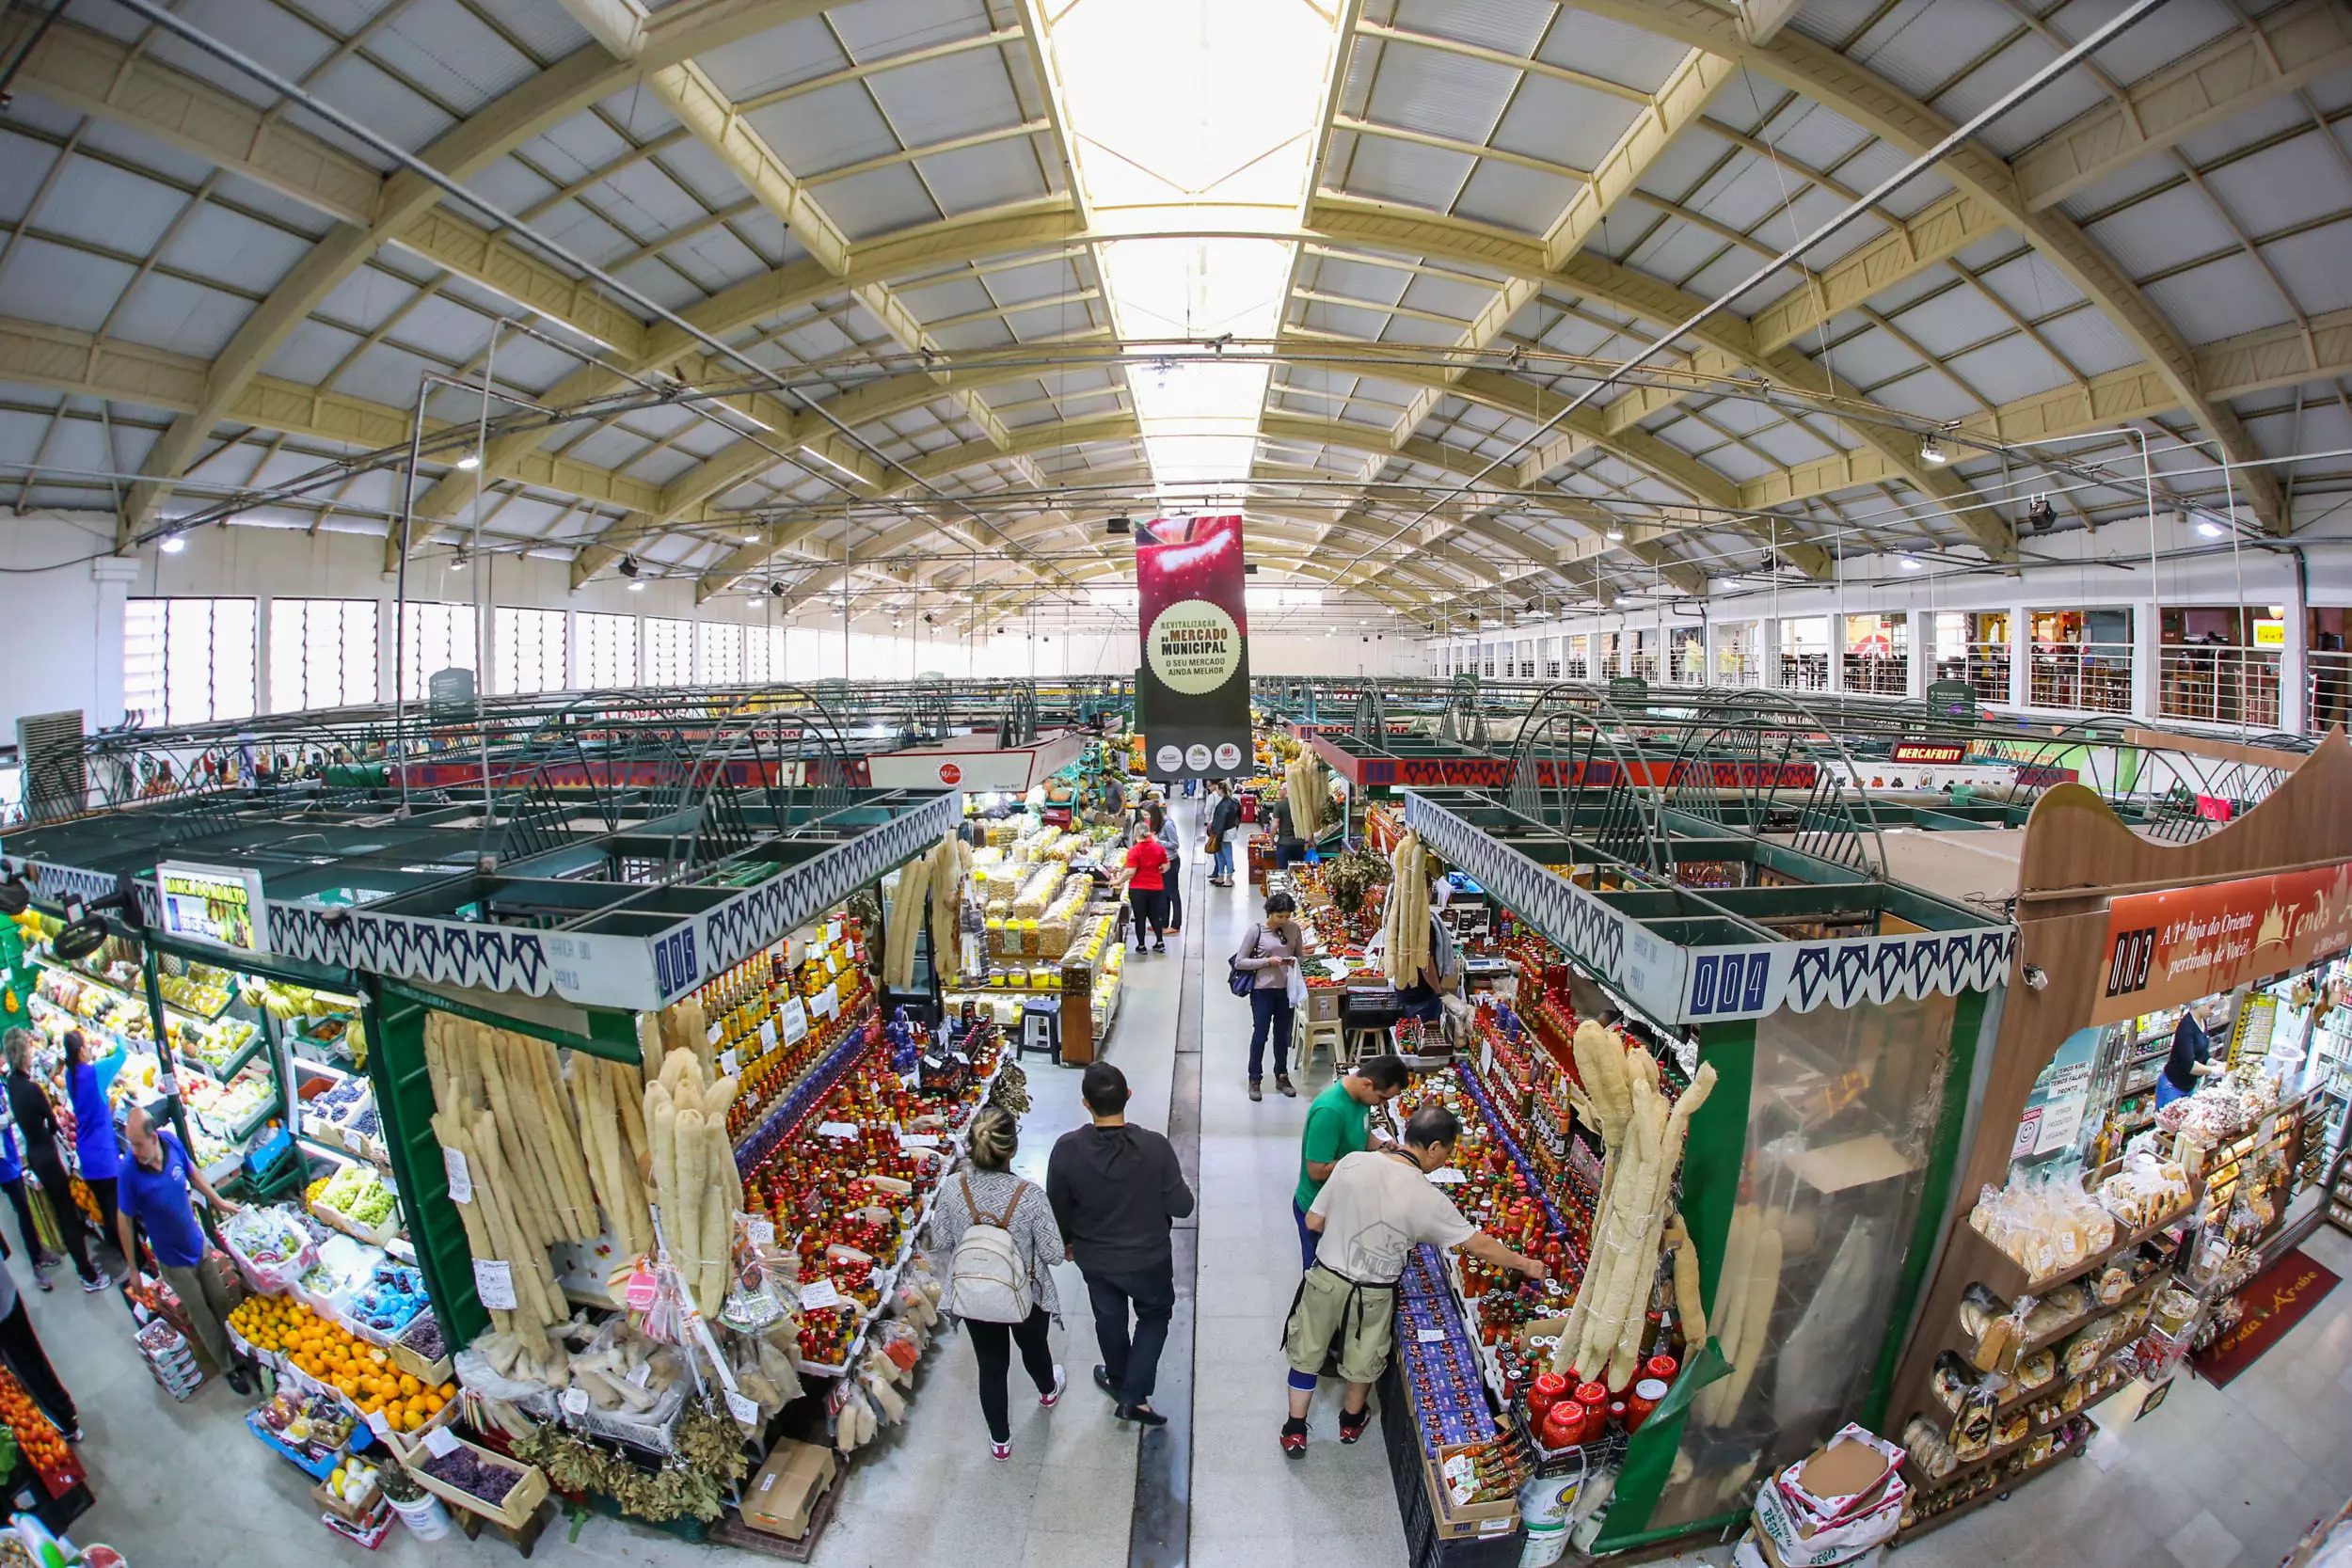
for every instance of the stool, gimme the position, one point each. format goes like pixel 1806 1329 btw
pixel 1363 1044
pixel 1040 1028
pixel 1324 1034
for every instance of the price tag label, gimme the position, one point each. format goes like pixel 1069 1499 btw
pixel 842 1131
pixel 714 1036
pixel 1429 1336
pixel 439 1440
pixel 742 1409
pixel 727 1064
pixel 575 1401
pixel 768 1033
pixel 643 1376
pixel 827 1002
pixel 818 1297
pixel 460 1178
pixel 762 1232
pixel 494 1282
pixel 795 1016
pixel 832 932
pixel 1447 1176
pixel 379 1424
pixel 919 1140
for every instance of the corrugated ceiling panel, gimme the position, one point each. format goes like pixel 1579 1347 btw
pixel 1605 47
pixel 816 340
pixel 2015 368
pixel 824 129
pixel 2173 30
pixel 1787 442
pixel 776 58
pixel 2031 285
pixel 950 296
pixel 1806 132
pixel 1921 191
pixel 1419 177
pixel 1675 250
pixel 547 31
pixel 1513 196
pixel 1738 462
pixel 581 231
pixel 2025 123
pixel 977 177
pixel 167 312
pixel 1685 162
pixel 1053 321
pixel 1448 297
pixel 285 43
pixel 1341 275
pixel 2284 185
pixel 2163 231
pixel 881 27
pixel 943 98
pixel 49 283
pixel 609 447
pixel 1444 95
pixel 2120 188
pixel 1345 320
pixel 108 207
pixel 972 336
pixel 2313 266
pixel 1510 25
pixel 1563 123
pixel 387 107
pixel 658 282
pixel 717 257
pixel 309 352
pixel 879 202
pixel 449 52
pixel 660 467
pixel 576 148
pixel 1952 321
pixel 385 374
pixel 646 201
pixel 1918 46
pixel 1412 329
pixel 1928 393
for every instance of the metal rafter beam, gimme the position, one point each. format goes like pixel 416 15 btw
pixel 1661 117
pixel 1877 105
pixel 405 205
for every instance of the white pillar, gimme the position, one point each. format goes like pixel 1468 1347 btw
pixel 1837 645
pixel 2294 660
pixel 2019 656
pixel 2146 625
pixel 1920 671
pixel 113 574
pixel 1768 651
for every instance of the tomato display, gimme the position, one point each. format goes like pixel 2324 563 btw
pixel 42 1444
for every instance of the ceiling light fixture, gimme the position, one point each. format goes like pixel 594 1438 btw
pixel 2212 531
pixel 776 590
pixel 2041 517
pixel 1616 534
pixel 471 461
pixel 629 565
pixel 172 544
pixel 1932 452
pixel 459 561
pixel 1911 563
pixel 637 585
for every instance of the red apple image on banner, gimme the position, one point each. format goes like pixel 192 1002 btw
pixel 1195 629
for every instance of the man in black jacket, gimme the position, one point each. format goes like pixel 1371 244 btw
pixel 1116 1191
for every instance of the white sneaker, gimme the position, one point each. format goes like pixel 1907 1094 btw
pixel 1060 1383
pixel 999 1450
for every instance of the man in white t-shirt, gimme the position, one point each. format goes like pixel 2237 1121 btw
pixel 1377 1206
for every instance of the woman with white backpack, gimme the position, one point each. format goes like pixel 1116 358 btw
pixel 999 1233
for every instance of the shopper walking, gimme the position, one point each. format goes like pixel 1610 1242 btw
pixel 1339 1124
pixel 22 1349
pixel 12 1178
pixel 999 1232
pixel 1269 952
pixel 1116 1191
pixel 1146 879
pixel 1224 822
pixel 1367 1218
pixel 37 1123
pixel 94 1146
pixel 154 1194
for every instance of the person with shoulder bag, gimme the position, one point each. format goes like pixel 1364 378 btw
pixel 1003 1244
pixel 1424 998
pixel 1269 955
pixel 1224 822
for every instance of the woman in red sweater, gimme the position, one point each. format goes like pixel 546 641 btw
pixel 1147 883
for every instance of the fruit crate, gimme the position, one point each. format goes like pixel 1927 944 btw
pixel 413 1361
pixel 514 1511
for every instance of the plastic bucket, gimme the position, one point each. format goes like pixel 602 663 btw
pixel 426 1519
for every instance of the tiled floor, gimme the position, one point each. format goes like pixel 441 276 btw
pixel 2216 1479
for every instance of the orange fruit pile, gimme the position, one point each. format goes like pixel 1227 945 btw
pixel 361 1373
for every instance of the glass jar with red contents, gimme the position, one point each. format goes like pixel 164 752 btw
pixel 1593 1397
pixel 1566 1425
pixel 1549 1390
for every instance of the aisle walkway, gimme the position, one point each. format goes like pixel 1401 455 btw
pixel 2216 1479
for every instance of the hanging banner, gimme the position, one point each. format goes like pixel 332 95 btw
pixel 2165 949
pixel 1195 675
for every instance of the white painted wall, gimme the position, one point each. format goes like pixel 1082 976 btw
pixel 65 622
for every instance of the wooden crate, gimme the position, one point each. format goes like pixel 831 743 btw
pixel 512 1511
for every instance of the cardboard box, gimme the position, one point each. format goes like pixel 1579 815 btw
pixel 780 1498
pixel 1323 1004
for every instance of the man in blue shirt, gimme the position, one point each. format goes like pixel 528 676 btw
pixel 154 1192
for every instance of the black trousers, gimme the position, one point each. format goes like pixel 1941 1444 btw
pixel 70 1222
pixel 1132 1359
pixel 1151 906
pixel 22 1348
pixel 992 1347
pixel 1173 912
pixel 21 1201
pixel 103 1189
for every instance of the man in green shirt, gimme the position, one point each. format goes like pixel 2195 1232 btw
pixel 1339 1124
